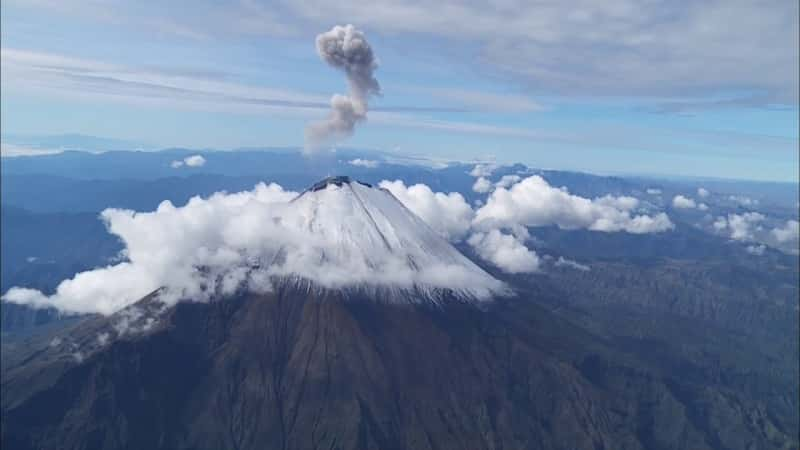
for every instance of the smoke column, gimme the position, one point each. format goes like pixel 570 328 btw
pixel 345 48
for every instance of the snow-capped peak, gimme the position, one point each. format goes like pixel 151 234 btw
pixel 372 241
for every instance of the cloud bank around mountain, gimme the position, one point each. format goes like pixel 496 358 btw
pixel 227 242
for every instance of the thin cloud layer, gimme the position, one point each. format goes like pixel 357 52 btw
pixel 583 47
pixel 366 163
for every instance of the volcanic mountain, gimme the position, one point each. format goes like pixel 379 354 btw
pixel 391 353
pixel 370 242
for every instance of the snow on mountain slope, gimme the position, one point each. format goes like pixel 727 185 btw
pixel 368 237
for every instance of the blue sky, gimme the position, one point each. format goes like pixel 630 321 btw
pixel 674 88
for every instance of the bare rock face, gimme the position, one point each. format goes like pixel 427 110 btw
pixel 302 370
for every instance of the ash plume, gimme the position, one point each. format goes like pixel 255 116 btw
pixel 345 48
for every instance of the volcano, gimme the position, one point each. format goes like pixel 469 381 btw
pixel 374 245
pixel 417 348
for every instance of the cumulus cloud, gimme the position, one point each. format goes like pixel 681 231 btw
pixel 345 48
pixel 743 200
pixel 189 161
pixel 508 181
pixel 504 251
pixel 366 163
pixel 187 249
pixel 741 227
pixel 682 202
pixel 482 185
pixel 533 202
pixel 788 233
pixel 448 214
pixel 653 191
pixel 483 170
pixel 702 192
pixel 195 161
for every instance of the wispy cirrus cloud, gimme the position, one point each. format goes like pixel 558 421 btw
pixel 82 78
pixel 585 48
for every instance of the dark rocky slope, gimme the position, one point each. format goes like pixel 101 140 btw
pixel 291 371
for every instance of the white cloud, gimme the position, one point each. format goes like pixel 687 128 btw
pixel 720 224
pixel 533 202
pixel 702 207
pixel 788 233
pixel 483 170
pixel 366 163
pixel 741 227
pixel 8 150
pixel 743 200
pixel 682 202
pixel 702 192
pixel 189 161
pixel 448 214
pixel 482 185
pixel 564 262
pixel 508 181
pixel 653 191
pixel 194 161
pixel 504 251
pixel 756 249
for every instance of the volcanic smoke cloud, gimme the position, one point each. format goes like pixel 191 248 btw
pixel 347 49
